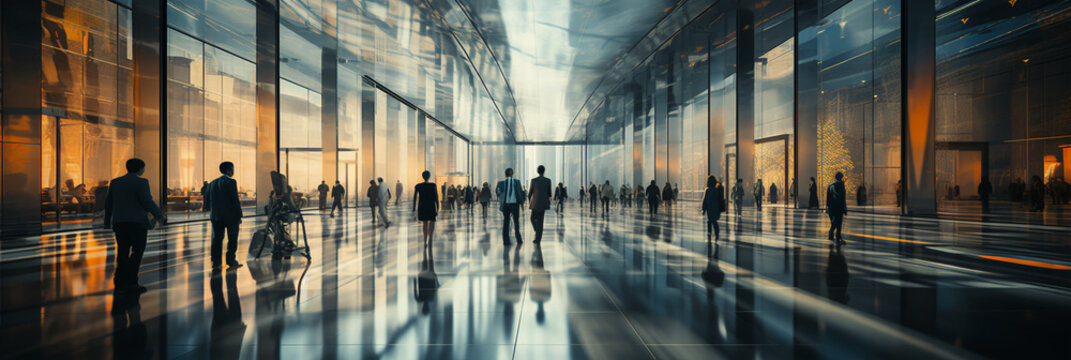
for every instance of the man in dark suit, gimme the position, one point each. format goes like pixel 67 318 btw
pixel 226 215
pixel 338 193
pixel 836 206
pixel 510 198
pixel 540 201
pixel 125 206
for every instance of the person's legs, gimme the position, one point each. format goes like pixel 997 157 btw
pixel 838 224
pixel 431 230
pixel 383 215
pixel 218 228
pixel 232 243
pixel 139 236
pixel 717 231
pixel 505 224
pixel 122 255
pixel 517 222
pixel 537 224
pixel 832 225
pixel 372 207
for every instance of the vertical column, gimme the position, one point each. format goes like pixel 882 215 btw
pixel 267 97
pixel 329 100
pixel 149 31
pixel 368 134
pixel 806 98
pixel 918 75
pixel 20 127
pixel 745 96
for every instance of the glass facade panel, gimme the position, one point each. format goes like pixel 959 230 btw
pixel 300 141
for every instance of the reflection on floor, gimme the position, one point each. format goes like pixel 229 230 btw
pixel 622 286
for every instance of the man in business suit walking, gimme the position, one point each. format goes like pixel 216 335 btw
pixel 226 215
pixel 837 207
pixel 510 198
pixel 125 206
pixel 539 197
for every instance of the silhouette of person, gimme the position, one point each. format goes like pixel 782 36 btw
pixel 226 215
pixel 593 195
pixel 539 201
pixel 373 198
pixel 837 275
pixel 985 188
pixel 654 198
pixel 510 198
pixel 607 194
pixel 398 192
pixel 384 200
pixel 837 207
pixel 738 196
pixel 338 194
pixel 713 204
pixel 485 198
pixel 559 198
pixel 812 201
pixel 758 191
pixel 773 193
pixel 323 189
pixel 426 204
pixel 125 206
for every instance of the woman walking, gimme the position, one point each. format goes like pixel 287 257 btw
pixel 426 205
pixel 485 197
pixel 713 204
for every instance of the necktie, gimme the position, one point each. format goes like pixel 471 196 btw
pixel 509 190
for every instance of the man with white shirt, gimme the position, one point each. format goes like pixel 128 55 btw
pixel 510 198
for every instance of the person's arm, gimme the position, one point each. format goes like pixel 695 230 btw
pixel 706 193
pixel 435 199
pixel 234 196
pixel 108 207
pixel 207 194
pixel 145 198
pixel 416 196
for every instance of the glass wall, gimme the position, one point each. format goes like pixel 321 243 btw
pixel 1003 71
pixel 87 120
pixel 774 98
pixel 301 155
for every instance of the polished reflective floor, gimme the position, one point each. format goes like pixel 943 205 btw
pixel 621 285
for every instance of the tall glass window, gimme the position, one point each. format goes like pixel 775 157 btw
pixel 774 98
pixel 301 140
pixel 87 113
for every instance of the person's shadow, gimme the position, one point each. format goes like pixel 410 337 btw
pixel 228 330
pixel 426 284
pixel 539 289
pixel 129 336
pixel 837 275
pixel 713 274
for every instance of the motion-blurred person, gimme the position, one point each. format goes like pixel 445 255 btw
pixel 738 196
pixel 812 200
pixel 426 205
pixel 322 189
pixel 338 194
pixel 607 195
pixel 485 197
pixel 985 188
pixel 758 192
pixel 384 200
pixel 226 215
pixel 668 197
pixel 654 198
pixel 539 201
pixel 837 207
pixel 559 198
pixel 593 195
pixel 373 198
pixel 713 204
pixel 398 191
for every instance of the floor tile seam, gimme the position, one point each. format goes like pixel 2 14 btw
pixel 628 320
pixel 517 331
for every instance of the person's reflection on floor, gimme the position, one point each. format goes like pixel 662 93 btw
pixel 130 337
pixel 509 285
pixel 426 283
pixel 667 231
pixel 837 275
pixel 275 284
pixel 228 330
pixel 485 242
pixel 713 274
pixel 539 290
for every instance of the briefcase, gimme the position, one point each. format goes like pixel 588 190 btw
pixel 259 237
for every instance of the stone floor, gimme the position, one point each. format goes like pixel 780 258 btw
pixel 621 285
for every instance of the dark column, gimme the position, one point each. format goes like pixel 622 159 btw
pixel 745 97
pixel 806 98
pixel 150 49
pixel 368 135
pixel 329 100
pixel 918 63
pixel 20 127
pixel 267 97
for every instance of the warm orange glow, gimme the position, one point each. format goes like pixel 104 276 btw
pixel 879 237
pixel 1033 263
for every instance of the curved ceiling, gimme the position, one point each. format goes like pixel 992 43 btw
pixel 554 53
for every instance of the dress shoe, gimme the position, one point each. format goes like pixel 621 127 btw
pixel 233 264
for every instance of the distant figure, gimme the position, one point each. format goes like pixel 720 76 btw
pixel 204 196
pixel 485 197
pixel 623 195
pixel 738 196
pixel 338 194
pixel 559 198
pixel 836 206
pixel 398 191
pixel 426 205
pixel 470 197
pixel 1037 194
pixel 860 194
pixel 384 200
pixel 373 198
pixel 791 196
pixel 607 194
pixel 773 193
pixel 640 195
pixel 713 204
pixel 125 206
pixel 539 201
pixel 654 198
pixel 668 196
pixel 581 195
pixel 451 197
pixel 226 215
pixel 812 201
pixel 758 191
pixel 955 191
pixel 985 188
pixel 323 189
pixel 593 194
pixel 510 198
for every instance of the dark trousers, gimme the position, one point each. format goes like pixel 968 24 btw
pixel 652 206
pixel 758 203
pixel 559 206
pixel 218 227
pixel 537 224
pixel 129 247
pixel 712 222
pixel 605 205
pixel 337 204
pixel 835 223
pixel 323 202
pixel 594 204
pixel 508 211
pixel 372 207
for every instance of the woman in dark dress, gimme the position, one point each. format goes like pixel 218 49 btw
pixel 812 202
pixel 713 204
pixel 426 204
